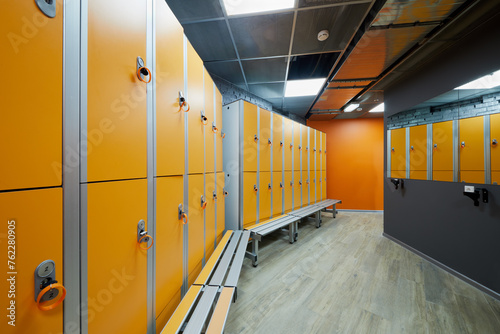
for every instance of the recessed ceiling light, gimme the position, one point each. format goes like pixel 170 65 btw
pixel 351 107
pixel 304 87
pixel 238 7
pixel 488 81
pixel 379 108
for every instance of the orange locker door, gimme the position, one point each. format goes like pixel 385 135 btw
pixel 317 185
pixel 196 238
pixel 418 152
pixel 277 142
pixel 31 232
pixel 221 198
pixel 250 192
pixel 288 186
pixel 305 188
pixel 442 151
pixel 312 153
pixel 304 149
pixel 169 246
pixel 31 116
pixel 116 137
pixel 495 148
pixel 265 190
pixel 212 198
pixel 318 150
pixel 323 187
pixel 297 146
pixel 320 188
pixel 297 189
pixel 220 134
pixel 117 266
pixel 211 127
pixel 250 137
pixel 398 153
pixel 472 150
pixel 277 194
pixel 288 145
pixel 195 98
pixel 323 148
pixel 169 82
pixel 265 140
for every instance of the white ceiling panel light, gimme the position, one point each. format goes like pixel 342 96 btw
pixel 307 87
pixel 487 82
pixel 239 7
pixel 379 108
pixel 351 107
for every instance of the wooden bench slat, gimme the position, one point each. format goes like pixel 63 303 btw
pixel 234 272
pixel 264 222
pixel 174 324
pixel 219 317
pixel 210 265
pixel 200 314
pixel 221 270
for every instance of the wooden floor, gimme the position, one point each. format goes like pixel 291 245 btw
pixel 347 278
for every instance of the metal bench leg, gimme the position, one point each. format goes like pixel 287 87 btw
pixel 255 251
pixel 334 211
pixel 318 219
pixel 296 234
pixel 291 232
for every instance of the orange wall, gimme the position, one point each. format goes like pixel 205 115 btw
pixel 355 161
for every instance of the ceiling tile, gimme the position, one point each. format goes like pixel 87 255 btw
pixel 265 91
pixel 276 102
pixel 264 70
pixel 262 35
pixel 195 10
pixel 335 98
pixel 311 66
pixel 402 11
pixel 378 49
pixel 311 3
pixel 350 115
pixel 220 46
pixel 230 71
pixel 341 21
pixel 298 105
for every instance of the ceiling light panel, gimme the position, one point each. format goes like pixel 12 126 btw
pixel 240 7
pixel 351 107
pixel 308 87
pixel 379 108
pixel 487 82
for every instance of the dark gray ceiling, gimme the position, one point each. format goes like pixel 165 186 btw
pixel 260 52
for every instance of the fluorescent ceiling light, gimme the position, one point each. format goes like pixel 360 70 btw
pixel 379 108
pixel 486 82
pixel 351 107
pixel 238 7
pixel 304 87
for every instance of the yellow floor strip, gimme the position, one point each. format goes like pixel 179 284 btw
pixel 219 317
pixel 182 310
pixel 209 266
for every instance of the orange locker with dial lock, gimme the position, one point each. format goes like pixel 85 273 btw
pixel 398 153
pixel 442 151
pixel 265 191
pixel 418 152
pixel 472 150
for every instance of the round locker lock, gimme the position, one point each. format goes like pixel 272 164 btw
pixel 255 189
pixel 145 240
pixel 300 147
pixel 269 187
pixel 46 268
pixel 214 128
pixel 412 148
pixel 462 144
pixel 184 218
pixel 494 142
pixel 51 296
pixel 281 143
pixel 281 185
pixel 144 71
pixel 291 145
pixel 255 138
pixel 183 105
pixel 269 142
pixel 204 119
pixel 435 146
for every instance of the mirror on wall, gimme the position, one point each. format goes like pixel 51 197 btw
pixel 452 137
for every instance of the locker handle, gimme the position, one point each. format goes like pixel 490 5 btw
pixel 281 185
pixel 255 189
pixel 435 146
pixel 214 195
pixel 182 215
pixel 291 184
pixel 307 181
pixel 281 143
pixel 183 103
pixel 319 151
pixel 269 142
pixel 393 149
pixel 412 148
pixel 144 239
pixel 214 128
pixel 224 192
pixel 223 135
pixel 494 142
pixel 269 187
pixel 300 147
pixel 307 148
pixel 61 292
pixel 144 71
pixel 204 118
pixel 255 138
pixel 203 203
pixel 300 183
pixel 462 144
pixel 291 145
pixel 314 149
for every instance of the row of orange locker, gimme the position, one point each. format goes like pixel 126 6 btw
pixel 464 150
pixel 114 194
